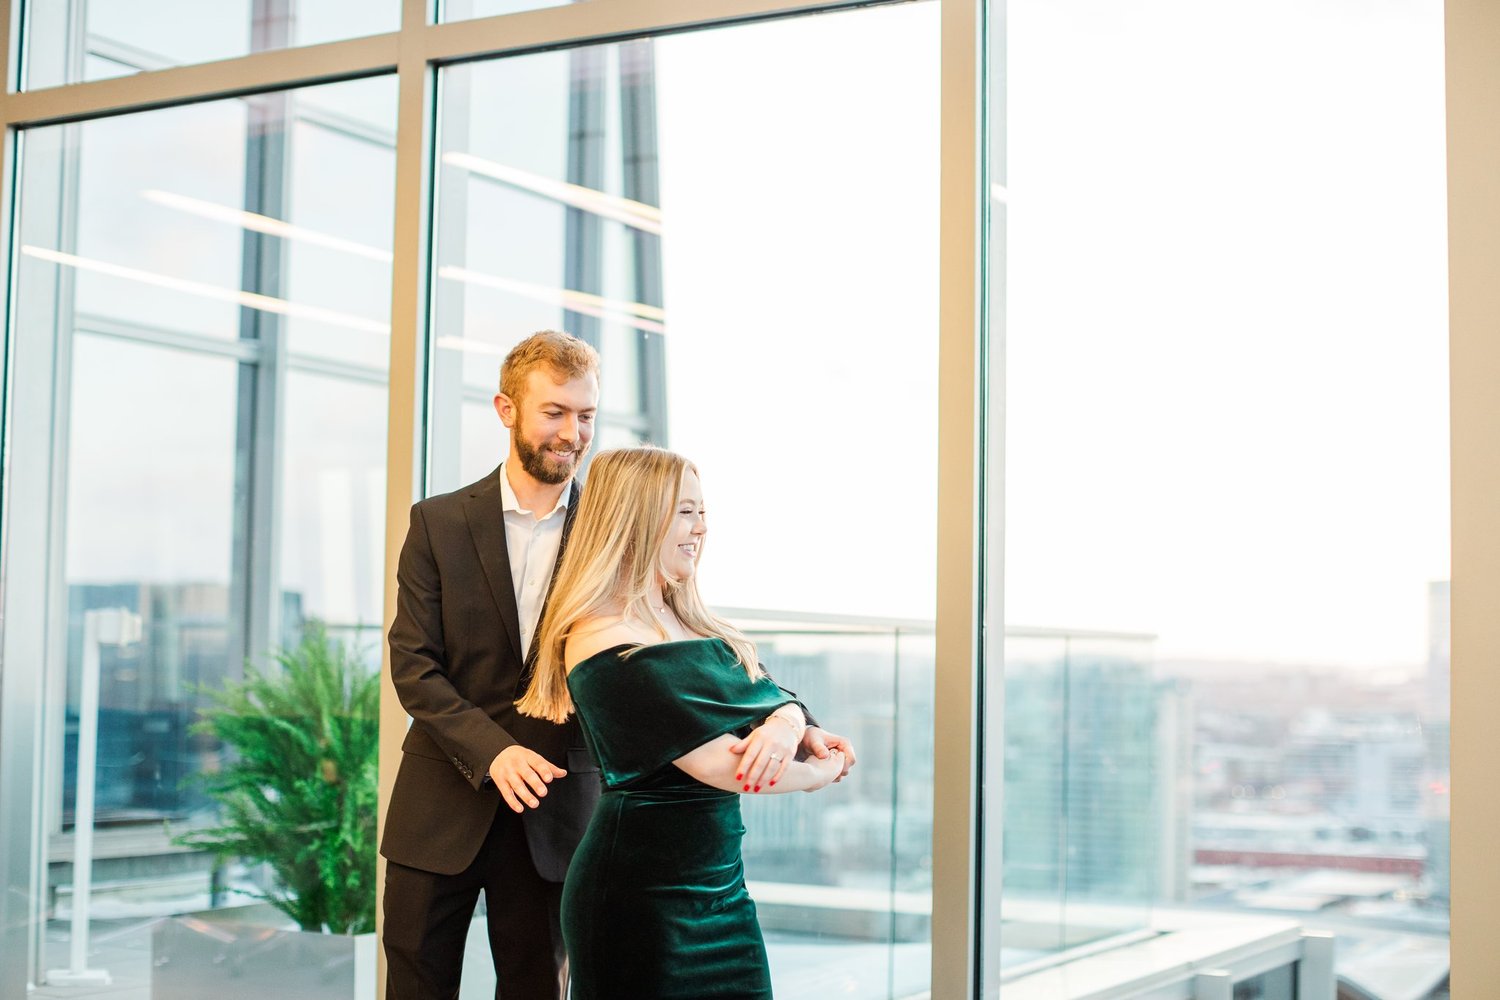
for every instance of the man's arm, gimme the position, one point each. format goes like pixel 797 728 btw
pixel 815 741
pixel 807 716
pixel 466 733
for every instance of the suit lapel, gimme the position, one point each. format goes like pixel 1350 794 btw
pixel 486 516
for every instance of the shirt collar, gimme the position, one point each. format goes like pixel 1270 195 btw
pixel 508 501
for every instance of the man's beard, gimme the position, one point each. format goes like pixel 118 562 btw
pixel 538 464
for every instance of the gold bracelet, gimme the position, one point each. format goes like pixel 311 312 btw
pixel 799 730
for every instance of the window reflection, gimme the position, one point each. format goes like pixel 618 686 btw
pixel 71 43
pixel 213 324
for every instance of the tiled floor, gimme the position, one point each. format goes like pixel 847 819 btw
pixel 803 970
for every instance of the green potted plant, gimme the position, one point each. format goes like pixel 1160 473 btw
pixel 297 793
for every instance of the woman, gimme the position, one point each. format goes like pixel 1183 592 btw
pixel 655 904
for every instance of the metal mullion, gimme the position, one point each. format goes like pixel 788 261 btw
pixel 632 419
pixel 553 27
pixel 345 126
pixel 20 692
pixel 19 715
pixel 331 368
pixel 583 251
pixel 415 135
pixel 51 743
pixel 443 417
pixel 642 182
pixel 104 326
pixel 278 69
pixel 255 626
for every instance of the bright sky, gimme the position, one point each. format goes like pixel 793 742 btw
pixel 1227 339
pixel 1225 327
pixel 1224 324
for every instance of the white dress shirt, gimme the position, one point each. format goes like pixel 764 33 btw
pixel 532 545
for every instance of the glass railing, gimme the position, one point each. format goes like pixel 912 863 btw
pixel 1083 793
pixel 842 879
pixel 1112 839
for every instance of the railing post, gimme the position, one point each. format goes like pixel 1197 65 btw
pixel 1315 976
pixel 1215 984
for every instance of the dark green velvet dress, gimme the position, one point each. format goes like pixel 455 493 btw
pixel 654 906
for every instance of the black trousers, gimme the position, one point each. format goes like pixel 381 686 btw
pixel 427 919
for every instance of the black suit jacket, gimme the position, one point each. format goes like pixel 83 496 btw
pixel 458 667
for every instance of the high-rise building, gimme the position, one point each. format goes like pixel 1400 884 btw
pixel 1435 730
pixel 1082 815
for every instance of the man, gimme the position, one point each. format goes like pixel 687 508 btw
pixel 487 799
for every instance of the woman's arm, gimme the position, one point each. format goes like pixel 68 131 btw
pixel 769 748
pixel 714 765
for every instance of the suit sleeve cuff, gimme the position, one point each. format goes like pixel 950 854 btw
pixel 486 757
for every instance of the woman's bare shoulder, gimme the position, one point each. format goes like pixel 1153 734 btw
pixel 595 635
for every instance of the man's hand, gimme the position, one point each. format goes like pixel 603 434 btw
pixel 819 742
pixel 522 775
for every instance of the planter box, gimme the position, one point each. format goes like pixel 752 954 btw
pixel 222 955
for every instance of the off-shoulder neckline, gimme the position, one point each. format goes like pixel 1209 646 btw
pixel 642 646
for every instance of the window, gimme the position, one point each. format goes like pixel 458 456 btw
pixel 753 256
pixel 207 426
pixel 1226 411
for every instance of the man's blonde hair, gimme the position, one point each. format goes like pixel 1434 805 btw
pixel 564 354
pixel 612 558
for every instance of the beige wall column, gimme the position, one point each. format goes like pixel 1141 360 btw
pixel 408 366
pixel 1473 77
pixel 954 844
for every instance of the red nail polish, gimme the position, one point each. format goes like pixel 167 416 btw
pixel 739 777
pixel 757 788
pixel 747 788
pixel 773 784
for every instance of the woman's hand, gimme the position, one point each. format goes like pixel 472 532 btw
pixel 818 742
pixel 716 767
pixel 767 751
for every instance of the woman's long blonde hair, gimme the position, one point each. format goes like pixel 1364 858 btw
pixel 612 558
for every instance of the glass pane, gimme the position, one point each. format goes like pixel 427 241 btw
pixel 333 510
pixel 339 224
pixel 188 296
pixel 69 42
pixel 181 244
pixel 1225 432
pixel 754 256
pixel 151 259
pixel 151 533
pixel 519 247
